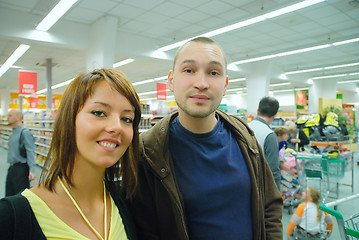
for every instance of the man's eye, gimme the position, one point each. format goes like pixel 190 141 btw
pixel 98 113
pixel 188 70
pixel 214 73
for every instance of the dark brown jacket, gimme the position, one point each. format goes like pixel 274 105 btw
pixel 158 207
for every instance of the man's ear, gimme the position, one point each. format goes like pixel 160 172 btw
pixel 225 86
pixel 170 80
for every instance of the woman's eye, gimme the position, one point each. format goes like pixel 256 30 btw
pixel 127 120
pixel 98 113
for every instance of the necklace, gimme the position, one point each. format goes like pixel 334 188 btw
pixel 83 215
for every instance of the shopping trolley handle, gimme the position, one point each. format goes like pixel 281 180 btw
pixel 332 212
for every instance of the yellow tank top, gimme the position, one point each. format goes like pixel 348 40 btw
pixel 54 228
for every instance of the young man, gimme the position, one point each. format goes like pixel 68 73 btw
pixel 22 167
pixel 202 174
pixel 267 110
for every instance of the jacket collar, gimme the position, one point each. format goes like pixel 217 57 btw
pixel 156 150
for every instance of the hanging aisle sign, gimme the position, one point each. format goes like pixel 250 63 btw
pixel 27 83
pixel 161 91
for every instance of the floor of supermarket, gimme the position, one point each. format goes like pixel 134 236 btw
pixel 347 209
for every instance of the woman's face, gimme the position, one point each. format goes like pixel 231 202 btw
pixel 283 137
pixel 104 127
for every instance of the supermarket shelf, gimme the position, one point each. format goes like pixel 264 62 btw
pixel 39 120
pixel 41 153
pixel 43 145
pixel 41 129
pixel 42 136
pixel 324 144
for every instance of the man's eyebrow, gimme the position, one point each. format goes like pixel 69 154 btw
pixel 193 61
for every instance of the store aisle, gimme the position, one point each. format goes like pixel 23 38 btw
pixel 346 209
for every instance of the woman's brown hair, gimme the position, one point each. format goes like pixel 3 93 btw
pixel 61 156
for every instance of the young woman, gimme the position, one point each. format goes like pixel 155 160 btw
pixel 95 144
pixel 308 219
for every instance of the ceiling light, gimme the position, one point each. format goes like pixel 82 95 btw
pixel 349 81
pixel 303 50
pixel 303 71
pixel 247 22
pixel 336 75
pixel 56 86
pixel 142 82
pixel 123 62
pixel 279 84
pixel 236 89
pixel 292 52
pixel 161 78
pixel 330 76
pixel 291 8
pixel 237 80
pixel 343 65
pixel 346 41
pixel 149 80
pixel 20 50
pixel 55 14
pixel 322 68
pixel 255 59
pixel 310 81
pixel 284 90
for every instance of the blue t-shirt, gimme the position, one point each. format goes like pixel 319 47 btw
pixel 214 182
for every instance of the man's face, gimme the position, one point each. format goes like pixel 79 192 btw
pixel 199 79
pixel 12 118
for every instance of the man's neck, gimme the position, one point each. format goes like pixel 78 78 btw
pixel 198 125
pixel 268 120
pixel 16 124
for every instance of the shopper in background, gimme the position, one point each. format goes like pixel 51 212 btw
pixel 307 219
pixel 203 174
pixel 95 142
pixel 282 135
pixel 21 155
pixel 296 137
pixel 267 110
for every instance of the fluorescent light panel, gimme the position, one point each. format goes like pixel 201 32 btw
pixel 247 22
pixel 237 80
pixel 349 81
pixel 149 80
pixel 294 51
pixel 336 75
pixel 123 62
pixel 322 68
pixel 55 14
pixel 20 50
pixel 279 84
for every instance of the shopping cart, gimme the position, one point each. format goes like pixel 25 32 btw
pixel 348 229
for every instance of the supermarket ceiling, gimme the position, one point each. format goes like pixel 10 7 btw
pixel 146 25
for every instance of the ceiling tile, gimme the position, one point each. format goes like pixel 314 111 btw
pixel 83 15
pixel 146 5
pixel 192 16
pixel 152 18
pixel 126 11
pixel 102 6
pixel 170 9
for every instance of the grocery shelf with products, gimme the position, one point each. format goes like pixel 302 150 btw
pixel 41 126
